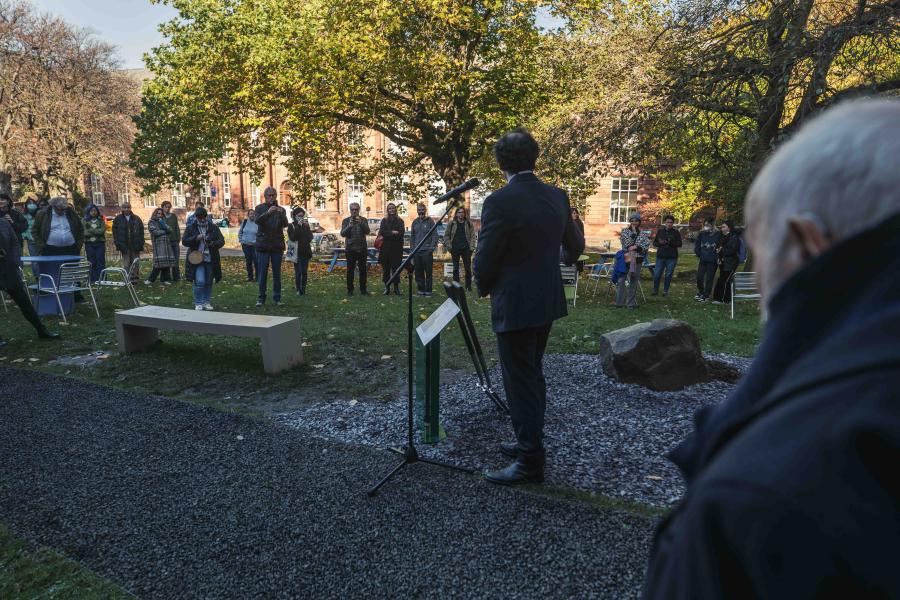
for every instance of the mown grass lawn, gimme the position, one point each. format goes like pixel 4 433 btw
pixel 354 347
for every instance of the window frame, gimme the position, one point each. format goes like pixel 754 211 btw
pixel 179 200
pixel 625 209
pixel 96 182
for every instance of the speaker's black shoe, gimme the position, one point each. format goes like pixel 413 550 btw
pixel 510 449
pixel 48 335
pixel 527 468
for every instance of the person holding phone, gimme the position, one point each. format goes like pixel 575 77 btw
pixel 205 238
pixel 300 232
pixel 354 230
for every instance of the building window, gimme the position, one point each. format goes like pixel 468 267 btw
pixel 125 194
pixel 97 190
pixel 149 200
pixel 320 192
pixel 286 193
pixel 205 193
pixel 254 194
pixel 179 199
pixel 356 192
pixel 624 199
pixel 226 189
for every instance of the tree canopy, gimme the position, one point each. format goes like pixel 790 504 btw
pixel 441 79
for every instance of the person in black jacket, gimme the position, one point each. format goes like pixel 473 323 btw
pixel 667 242
pixel 271 221
pixel 793 489
pixel 354 230
pixel 11 282
pixel 300 232
pixel 391 230
pixel 128 236
pixel 206 238
pixel 705 250
pixel 13 217
pixel 728 252
pixel 517 264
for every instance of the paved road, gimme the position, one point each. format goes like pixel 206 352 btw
pixel 172 500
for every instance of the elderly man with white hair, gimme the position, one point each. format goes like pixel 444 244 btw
pixel 793 481
pixel 57 230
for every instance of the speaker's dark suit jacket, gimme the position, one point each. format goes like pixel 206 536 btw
pixel 523 225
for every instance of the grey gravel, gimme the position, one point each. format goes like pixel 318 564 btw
pixel 602 436
pixel 174 500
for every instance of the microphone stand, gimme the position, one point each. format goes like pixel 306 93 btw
pixel 409 453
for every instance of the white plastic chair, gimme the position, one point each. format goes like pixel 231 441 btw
pixel 570 282
pixel 117 277
pixel 745 283
pixel 73 277
pixel 597 273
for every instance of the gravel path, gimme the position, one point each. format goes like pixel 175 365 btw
pixel 601 436
pixel 172 500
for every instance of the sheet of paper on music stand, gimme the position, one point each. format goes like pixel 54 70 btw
pixel 439 319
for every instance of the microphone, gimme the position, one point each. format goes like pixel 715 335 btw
pixel 472 183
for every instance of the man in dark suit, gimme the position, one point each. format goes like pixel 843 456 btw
pixel 517 264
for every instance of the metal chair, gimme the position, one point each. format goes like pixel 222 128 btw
pixel 73 277
pixel 117 277
pixel 746 284
pixel 598 272
pixel 570 282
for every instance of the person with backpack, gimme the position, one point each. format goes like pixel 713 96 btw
pixel 728 251
pixel 705 250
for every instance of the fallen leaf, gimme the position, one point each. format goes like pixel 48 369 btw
pixel 18 360
pixel 240 438
pixel 354 402
pixel 654 477
pixel 3 357
pixel 306 345
pixel 386 357
pixel 318 366
pixel 330 336
pixel 344 301
pixel 33 359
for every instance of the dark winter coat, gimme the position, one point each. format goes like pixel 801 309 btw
pixel 793 488
pixel 523 225
pixel 450 233
pixel 303 235
pixel 41 228
pixel 705 246
pixel 174 227
pixel 667 242
pixel 215 241
pixel 128 236
pixel 10 256
pixel 729 249
pixel 355 240
pixel 19 222
pixel 392 247
pixel 270 235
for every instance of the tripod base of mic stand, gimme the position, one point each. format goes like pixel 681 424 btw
pixel 411 455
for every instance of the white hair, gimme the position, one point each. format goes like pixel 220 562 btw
pixel 842 168
pixel 58 202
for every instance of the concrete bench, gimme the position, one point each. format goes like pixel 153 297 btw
pixel 138 329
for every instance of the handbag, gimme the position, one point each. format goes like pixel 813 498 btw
pixel 195 257
pixel 292 251
pixel 379 242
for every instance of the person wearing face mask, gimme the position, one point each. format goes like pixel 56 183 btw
pixel 18 222
pixel 792 480
pixel 95 240
pixel 300 232
pixel 391 230
pixel 247 239
pixel 128 236
pixel 705 250
pixel 424 258
pixel 206 238
pixel 459 239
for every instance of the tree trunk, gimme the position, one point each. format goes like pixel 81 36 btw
pixel 6 182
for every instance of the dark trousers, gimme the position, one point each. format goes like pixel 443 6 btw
pixel 522 362
pixel 723 286
pixel 301 273
pixel 424 265
pixel 249 260
pixel 389 264
pixel 64 251
pixel 466 256
pixel 706 275
pixel 96 255
pixel 164 274
pixel 263 259
pixel 664 266
pixel 20 296
pixel 176 270
pixel 357 259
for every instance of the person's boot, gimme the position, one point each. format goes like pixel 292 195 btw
pixel 510 449
pixel 527 468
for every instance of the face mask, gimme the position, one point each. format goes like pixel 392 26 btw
pixel 707 227
pixel 31 207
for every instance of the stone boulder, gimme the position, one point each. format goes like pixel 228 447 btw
pixel 663 355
